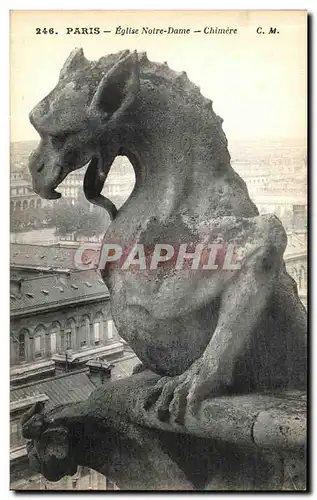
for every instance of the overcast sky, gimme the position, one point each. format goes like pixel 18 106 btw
pixel 257 82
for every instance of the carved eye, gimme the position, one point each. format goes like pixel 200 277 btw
pixel 58 140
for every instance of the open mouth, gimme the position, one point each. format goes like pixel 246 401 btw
pixel 53 195
pixel 49 192
pixel 60 176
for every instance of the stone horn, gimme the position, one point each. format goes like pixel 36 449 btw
pixel 75 60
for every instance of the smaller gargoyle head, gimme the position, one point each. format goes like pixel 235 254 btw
pixel 49 448
pixel 83 117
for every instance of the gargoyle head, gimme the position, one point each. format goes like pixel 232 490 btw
pixel 49 449
pixel 81 119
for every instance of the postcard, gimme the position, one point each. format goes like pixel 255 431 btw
pixel 158 262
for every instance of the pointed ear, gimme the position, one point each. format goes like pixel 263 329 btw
pixel 118 88
pixel 75 60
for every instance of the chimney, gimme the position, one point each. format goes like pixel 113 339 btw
pixel 99 371
pixel 16 286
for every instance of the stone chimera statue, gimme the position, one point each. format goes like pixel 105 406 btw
pixel 204 333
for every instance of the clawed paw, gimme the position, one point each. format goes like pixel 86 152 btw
pixel 171 396
pixel 166 397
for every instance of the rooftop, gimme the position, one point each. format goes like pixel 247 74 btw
pixel 70 387
pixel 296 245
pixel 39 256
pixel 55 289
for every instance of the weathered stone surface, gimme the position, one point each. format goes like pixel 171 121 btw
pixel 218 448
pixel 294 471
pixel 211 330
pixel 275 421
pixel 208 332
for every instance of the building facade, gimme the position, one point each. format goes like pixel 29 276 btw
pixel 22 196
pixel 58 316
pixel 63 343
pixel 69 387
pixel 296 262
pixel 72 186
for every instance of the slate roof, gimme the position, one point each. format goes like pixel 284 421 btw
pixel 123 368
pixel 34 256
pixel 74 386
pixel 68 388
pixel 57 289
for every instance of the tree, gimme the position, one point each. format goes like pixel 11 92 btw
pixel 78 219
pixel 64 217
pixel 93 222
pixel 29 218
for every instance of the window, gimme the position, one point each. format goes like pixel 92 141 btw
pixel 39 341
pixel 61 347
pixel 22 346
pixel 84 332
pixel 111 328
pixel 53 343
pixel 56 339
pixel 98 328
pixel 37 346
pixel 70 333
pixel 68 339
pixel 14 433
pixel 294 274
pixel 302 278
pixel 16 438
pixel 97 333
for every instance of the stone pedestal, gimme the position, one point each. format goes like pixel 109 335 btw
pixel 243 442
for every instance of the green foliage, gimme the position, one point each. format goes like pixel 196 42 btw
pixel 78 219
pixel 31 218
